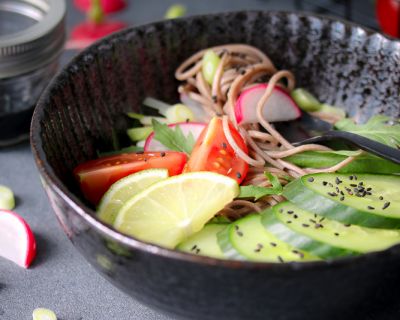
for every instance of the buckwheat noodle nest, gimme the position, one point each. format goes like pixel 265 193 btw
pixel 241 67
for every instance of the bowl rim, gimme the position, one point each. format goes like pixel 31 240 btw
pixel 89 216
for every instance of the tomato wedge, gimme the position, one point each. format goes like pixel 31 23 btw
pixel 212 152
pixel 96 176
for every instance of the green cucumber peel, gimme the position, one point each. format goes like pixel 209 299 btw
pixel 317 200
pixel 7 200
pixel 364 163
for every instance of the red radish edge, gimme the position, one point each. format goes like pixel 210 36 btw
pixel 107 5
pixel 30 250
pixel 238 109
pixel 172 125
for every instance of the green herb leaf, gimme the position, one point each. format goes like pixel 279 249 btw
pixel 379 128
pixel 173 139
pixel 257 192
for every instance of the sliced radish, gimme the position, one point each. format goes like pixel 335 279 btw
pixel 107 5
pixel 195 128
pixel 279 107
pixel 197 109
pixel 17 242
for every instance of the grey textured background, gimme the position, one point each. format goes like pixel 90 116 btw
pixel 60 278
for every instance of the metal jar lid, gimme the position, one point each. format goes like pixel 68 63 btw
pixel 32 34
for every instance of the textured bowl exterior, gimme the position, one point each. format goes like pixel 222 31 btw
pixel 341 63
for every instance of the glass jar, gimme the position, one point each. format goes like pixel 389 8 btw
pixel 32 36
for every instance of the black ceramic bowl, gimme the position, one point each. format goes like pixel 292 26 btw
pixel 341 63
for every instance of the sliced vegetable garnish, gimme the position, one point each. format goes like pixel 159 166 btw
pixel 96 176
pixel 140 133
pixel 173 138
pixel 204 242
pixel 189 130
pixel 17 242
pixel 364 199
pixel 7 200
pixel 43 314
pixel 379 128
pixel 175 11
pixel 122 190
pixel 364 163
pixel 305 100
pixel 324 237
pixel 173 209
pixel 279 106
pixel 257 192
pixel 212 152
pixel 247 239
pixel 210 65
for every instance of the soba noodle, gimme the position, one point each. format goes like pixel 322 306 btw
pixel 242 66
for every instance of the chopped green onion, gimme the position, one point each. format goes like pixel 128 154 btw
pixel 179 113
pixel 175 11
pixel 134 115
pixel 305 100
pixel 7 201
pixel 333 110
pixel 43 314
pixel 147 120
pixel 141 133
pixel 156 104
pixel 210 65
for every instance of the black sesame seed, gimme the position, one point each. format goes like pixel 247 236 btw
pixel 380 198
pixel 336 234
pixel 387 204
pixel 162 154
pixel 347 225
pixel 330 184
pixel 332 194
pixel 369 189
pixel 315 215
pixel 322 219
pixel 318 226
pixel 337 190
pixel 236 227
pixel 355 177
pixel 239 233
pixel 310 179
pixel 313 221
pixel 351 177
pixel 194 247
pixel 368 193
pixel 273 244
pixel 324 183
pixel 290 212
pixel 197 251
pixel 288 222
pixel 371 208
pixel 224 145
pixel 305 225
pixel 342 193
pixel 238 175
pixel 338 181
pixel 341 198
pixel 280 259
pixel 353 185
pixel 361 183
pixel 295 216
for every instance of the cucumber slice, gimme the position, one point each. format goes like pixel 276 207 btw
pixel 7 200
pixel 365 199
pixel 247 239
pixel 204 242
pixel 140 133
pixel 323 237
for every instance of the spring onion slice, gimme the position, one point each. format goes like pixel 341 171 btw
pixel 43 314
pixel 7 201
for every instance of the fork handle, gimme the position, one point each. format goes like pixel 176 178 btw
pixel 377 148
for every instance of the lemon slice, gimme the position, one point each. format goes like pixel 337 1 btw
pixel 173 209
pixel 122 190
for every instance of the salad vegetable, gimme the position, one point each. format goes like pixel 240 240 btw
pixel 7 200
pixel 43 314
pixel 17 242
pixel 217 178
